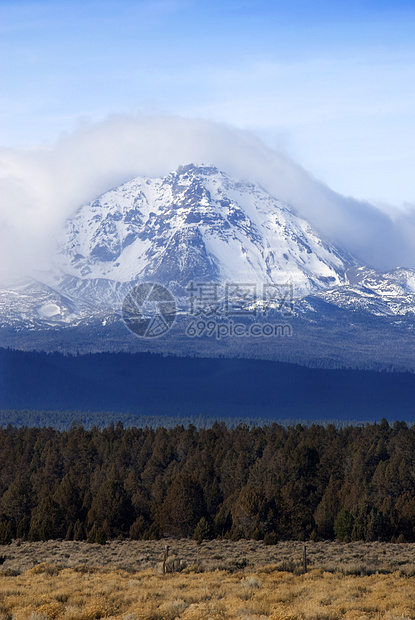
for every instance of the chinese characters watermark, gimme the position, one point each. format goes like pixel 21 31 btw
pixel 231 309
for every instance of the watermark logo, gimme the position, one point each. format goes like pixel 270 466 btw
pixel 211 299
pixel 231 309
pixel 213 328
pixel 149 310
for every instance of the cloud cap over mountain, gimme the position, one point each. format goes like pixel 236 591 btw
pixel 42 187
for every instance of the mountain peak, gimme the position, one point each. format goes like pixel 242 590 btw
pixel 197 223
pixel 196 169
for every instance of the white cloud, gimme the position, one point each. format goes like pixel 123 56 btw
pixel 40 188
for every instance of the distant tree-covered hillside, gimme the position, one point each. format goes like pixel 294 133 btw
pixel 271 483
pixel 153 384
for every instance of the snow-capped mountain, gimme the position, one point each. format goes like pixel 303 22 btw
pixel 196 224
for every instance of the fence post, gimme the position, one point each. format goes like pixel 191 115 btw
pixel 305 558
pixel 165 556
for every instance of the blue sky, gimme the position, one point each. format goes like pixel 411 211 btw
pixel 330 83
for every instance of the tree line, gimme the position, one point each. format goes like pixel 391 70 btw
pixel 63 420
pixel 270 482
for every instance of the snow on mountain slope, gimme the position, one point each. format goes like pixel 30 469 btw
pixel 32 303
pixel 197 224
pixel 381 294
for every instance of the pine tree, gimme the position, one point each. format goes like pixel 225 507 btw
pixel 5 532
pixel 183 507
pixel 47 521
pixel 202 531
pixel 343 525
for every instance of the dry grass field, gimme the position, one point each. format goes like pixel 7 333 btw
pixel 216 580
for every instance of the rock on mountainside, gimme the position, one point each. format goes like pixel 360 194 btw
pixel 196 224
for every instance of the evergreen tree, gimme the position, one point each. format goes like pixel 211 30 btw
pixel 343 525
pixel 183 507
pixel 47 521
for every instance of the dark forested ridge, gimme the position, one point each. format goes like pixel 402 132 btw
pixel 153 384
pixel 274 483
